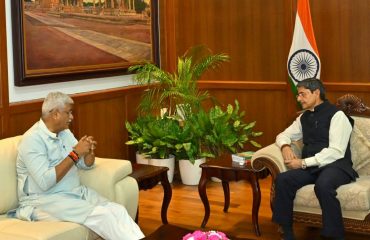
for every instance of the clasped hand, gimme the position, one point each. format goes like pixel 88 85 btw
pixel 85 146
pixel 290 159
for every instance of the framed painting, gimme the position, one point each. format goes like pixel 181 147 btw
pixel 65 40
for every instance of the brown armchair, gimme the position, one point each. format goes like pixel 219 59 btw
pixel 354 197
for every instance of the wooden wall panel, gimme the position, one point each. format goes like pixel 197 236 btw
pixel 264 102
pixel 22 116
pixel 167 36
pixel 342 35
pixel 132 101
pixel 268 111
pixel 104 120
pixel 100 114
pixel 103 116
pixel 19 123
pixel 256 34
pixel 253 33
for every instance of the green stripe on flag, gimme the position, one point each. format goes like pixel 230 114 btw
pixel 294 89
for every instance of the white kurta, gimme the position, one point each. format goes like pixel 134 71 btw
pixel 39 152
pixel 42 198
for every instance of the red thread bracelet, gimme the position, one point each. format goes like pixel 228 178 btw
pixel 74 156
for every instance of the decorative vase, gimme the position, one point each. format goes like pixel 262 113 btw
pixel 141 158
pixel 166 162
pixel 190 173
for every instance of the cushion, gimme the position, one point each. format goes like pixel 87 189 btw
pixel 42 230
pixel 353 196
pixel 15 237
pixel 8 153
pixel 105 175
pixel 360 145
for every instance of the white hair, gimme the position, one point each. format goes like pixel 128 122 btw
pixel 55 100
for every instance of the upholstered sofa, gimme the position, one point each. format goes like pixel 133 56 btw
pixel 354 197
pixel 109 177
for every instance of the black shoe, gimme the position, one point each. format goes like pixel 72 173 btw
pixel 286 232
pixel 332 238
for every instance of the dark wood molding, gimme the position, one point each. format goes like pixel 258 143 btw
pixel 242 85
pixel 347 86
pixel 4 98
pixel 107 93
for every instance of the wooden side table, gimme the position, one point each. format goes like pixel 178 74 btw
pixel 226 170
pixel 147 177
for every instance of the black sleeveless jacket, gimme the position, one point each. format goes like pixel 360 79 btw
pixel 315 128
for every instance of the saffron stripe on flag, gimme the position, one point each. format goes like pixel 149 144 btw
pixel 303 61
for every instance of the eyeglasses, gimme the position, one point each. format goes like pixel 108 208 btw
pixel 302 94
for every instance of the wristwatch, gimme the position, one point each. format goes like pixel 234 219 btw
pixel 304 165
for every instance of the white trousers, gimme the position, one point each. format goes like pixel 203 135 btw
pixel 112 222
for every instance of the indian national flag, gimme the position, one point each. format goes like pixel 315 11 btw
pixel 303 60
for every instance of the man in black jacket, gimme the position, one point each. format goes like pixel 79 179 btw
pixel 325 161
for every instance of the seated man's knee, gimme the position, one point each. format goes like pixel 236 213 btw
pixel 103 212
pixel 324 188
pixel 282 179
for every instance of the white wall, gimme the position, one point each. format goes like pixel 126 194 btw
pixel 17 94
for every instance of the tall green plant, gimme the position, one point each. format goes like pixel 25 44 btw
pixel 201 133
pixel 220 131
pixel 177 92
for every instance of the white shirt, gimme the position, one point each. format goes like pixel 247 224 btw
pixel 339 135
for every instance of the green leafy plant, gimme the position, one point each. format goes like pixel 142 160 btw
pixel 177 92
pixel 187 130
pixel 189 144
pixel 155 137
pixel 229 131
pixel 220 131
pixel 136 131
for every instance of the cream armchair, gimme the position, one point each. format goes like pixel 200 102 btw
pixel 109 178
pixel 354 197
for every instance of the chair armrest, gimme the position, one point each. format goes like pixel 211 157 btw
pixel 105 175
pixel 269 157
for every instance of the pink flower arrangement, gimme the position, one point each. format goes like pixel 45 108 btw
pixel 210 235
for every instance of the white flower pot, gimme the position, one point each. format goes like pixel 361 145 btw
pixel 190 173
pixel 141 158
pixel 214 179
pixel 167 162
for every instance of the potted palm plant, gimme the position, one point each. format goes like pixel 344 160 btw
pixel 199 133
pixel 177 92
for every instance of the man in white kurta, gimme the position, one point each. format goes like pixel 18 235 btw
pixel 49 187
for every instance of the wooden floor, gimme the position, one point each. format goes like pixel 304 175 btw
pixel 186 210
